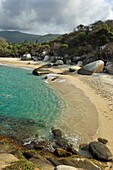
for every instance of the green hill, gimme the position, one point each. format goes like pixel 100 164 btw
pixel 16 36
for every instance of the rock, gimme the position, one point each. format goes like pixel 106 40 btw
pixel 26 57
pixel 71 70
pixel 63 143
pixel 78 162
pixel 52 77
pixel 40 71
pixel 42 163
pixel 64 167
pixel 35 72
pixel 72 150
pixel 62 153
pixel 79 63
pixel 104 141
pixel 41 145
pixel 68 61
pixel 95 67
pixel 59 62
pixel 46 58
pixel 100 151
pixel 109 68
pixel 57 133
pixel 6 160
pixel 83 71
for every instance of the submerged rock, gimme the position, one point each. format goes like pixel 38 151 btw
pixel 100 151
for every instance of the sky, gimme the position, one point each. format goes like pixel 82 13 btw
pixel 52 16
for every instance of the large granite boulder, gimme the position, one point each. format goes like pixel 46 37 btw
pixel 95 67
pixel 64 167
pixel 35 72
pixel 100 151
pixel 109 67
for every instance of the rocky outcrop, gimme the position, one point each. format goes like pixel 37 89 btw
pixel 95 67
pixel 100 151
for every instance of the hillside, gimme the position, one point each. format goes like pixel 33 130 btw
pixel 16 36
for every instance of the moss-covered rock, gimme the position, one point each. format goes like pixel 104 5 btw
pixel 21 164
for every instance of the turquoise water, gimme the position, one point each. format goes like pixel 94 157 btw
pixel 27 104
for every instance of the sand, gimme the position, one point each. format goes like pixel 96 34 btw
pixel 88 109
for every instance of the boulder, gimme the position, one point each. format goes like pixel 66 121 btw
pixel 79 63
pixel 100 151
pixel 83 71
pixel 26 57
pixel 95 67
pixel 64 167
pixel 109 67
pixel 46 58
pixel 41 145
pixel 62 153
pixel 59 62
pixel 35 72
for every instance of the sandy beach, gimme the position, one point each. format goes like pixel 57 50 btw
pixel 89 102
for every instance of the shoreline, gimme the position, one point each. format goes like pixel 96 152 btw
pixel 101 107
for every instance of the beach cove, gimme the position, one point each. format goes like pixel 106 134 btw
pixel 96 115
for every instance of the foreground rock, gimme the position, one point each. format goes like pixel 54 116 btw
pixel 100 151
pixel 40 71
pixel 95 67
pixel 6 159
pixel 77 162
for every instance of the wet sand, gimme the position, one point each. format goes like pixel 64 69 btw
pixel 86 112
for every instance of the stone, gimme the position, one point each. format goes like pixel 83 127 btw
pixel 7 158
pixel 46 58
pixel 62 153
pixel 95 67
pixel 104 141
pixel 42 163
pixel 26 57
pixel 79 63
pixel 41 145
pixel 59 62
pixel 78 162
pixel 35 72
pixel 83 71
pixel 109 68
pixel 64 167
pixel 57 133
pixel 100 151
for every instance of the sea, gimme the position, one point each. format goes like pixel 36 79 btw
pixel 28 106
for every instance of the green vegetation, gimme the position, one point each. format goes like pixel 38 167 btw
pixel 18 37
pixel 21 164
pixel 84 40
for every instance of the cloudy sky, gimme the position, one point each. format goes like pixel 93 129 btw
pixel 52 16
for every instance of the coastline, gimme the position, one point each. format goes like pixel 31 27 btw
pixel 100 116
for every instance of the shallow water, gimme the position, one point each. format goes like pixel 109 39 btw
pixel 27 105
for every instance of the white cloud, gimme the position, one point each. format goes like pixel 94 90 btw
pixel 52 16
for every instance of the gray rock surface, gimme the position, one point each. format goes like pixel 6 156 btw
pixel 100 151
pixel 95 67
pixel 64 167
